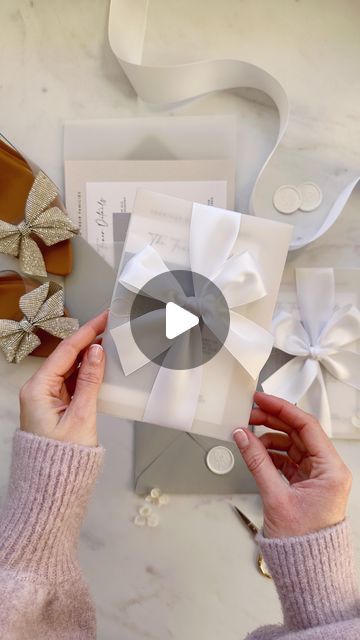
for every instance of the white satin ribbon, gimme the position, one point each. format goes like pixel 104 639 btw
pixel 174 397
pixel 321 339
pixel 176 83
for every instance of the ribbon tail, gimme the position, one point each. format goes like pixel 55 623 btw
pixel 292 380
pixel 130 356
pixel 301 382
pixel 150 328
pixel 27 345
pixel 31 259
pixel 174 398
pixel 248 343
pixel 10 338
pixel 18 346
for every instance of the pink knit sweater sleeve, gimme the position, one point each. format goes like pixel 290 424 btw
pixel 42 592
pixel 317 585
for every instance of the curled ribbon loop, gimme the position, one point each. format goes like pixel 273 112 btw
pixel 322 338
pixel 50 224
pixel 43 308
pixel 174 397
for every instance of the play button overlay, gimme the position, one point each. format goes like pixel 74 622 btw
pixel 179 319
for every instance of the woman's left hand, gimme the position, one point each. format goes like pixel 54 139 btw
pixel 59 401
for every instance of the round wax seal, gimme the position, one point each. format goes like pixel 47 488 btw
pixel 311 196
pixel 287 199
pixel 220 460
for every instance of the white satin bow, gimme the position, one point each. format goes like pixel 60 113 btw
pixel 174 397
pixel 322 338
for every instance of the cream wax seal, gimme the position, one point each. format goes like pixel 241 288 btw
pixel 311 196
pixel 287 199
pixel 220 460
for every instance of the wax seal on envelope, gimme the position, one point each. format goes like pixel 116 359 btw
pixel 220 460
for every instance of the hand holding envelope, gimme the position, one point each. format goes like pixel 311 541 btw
pixel 244 258
pixel 213 233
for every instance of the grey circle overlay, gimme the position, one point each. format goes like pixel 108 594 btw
pixel 193 292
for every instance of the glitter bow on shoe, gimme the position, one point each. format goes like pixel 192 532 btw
pixel 43 308
pixel 50 224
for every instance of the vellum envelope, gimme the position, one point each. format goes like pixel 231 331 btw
pixel 220 393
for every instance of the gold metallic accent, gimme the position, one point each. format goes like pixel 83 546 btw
pixel 50 224
pixel 43 308
pixel 254 530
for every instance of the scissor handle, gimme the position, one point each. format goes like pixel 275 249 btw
pixel 262 566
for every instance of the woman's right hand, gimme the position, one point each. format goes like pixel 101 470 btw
pixel 318 482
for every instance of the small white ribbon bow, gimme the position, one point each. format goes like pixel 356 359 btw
pixel 174 396
pixel 323 337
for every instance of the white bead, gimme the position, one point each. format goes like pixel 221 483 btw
pixel 311 196
pixel 148 499
pixel 155 493
pixel 287 199
pixel 145 511
pixel 153 520
pixel 139 521
pixel 164 499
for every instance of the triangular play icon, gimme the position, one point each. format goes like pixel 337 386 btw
pixel 178 320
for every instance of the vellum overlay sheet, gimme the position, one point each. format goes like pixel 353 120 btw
pixel 100 194
pixel 176 234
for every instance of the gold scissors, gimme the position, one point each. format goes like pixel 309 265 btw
pixel 254 530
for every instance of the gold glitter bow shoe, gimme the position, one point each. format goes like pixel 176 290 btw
pixel 33 224
pixel 33 319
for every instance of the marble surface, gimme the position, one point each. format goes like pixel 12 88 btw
pixel 194 576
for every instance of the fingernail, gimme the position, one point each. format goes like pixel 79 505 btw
pixel 241 438
pixel 95 354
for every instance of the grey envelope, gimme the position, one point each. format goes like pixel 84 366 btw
pixel 175 461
